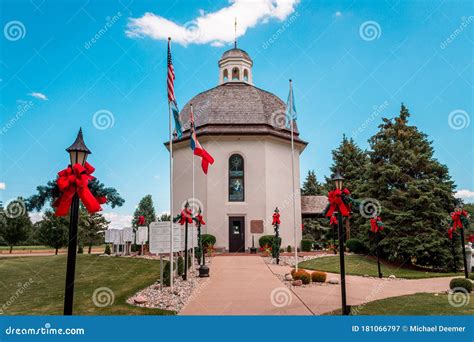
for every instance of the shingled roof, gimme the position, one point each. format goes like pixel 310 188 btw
pixel 312 206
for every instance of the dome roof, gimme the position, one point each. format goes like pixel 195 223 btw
pixel 237 107
pixel 236 53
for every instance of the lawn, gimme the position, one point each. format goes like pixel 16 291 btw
pixel 362 265
pixel 45 295
pixel 416 304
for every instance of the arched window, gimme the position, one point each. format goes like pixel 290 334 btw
pixel 236 178
pixel 225 75
pixel 246 75
pixel 235 74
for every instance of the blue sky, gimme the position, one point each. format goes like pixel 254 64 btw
pixel 352 63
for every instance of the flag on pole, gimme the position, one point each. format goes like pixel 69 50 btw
pixel 290 108
pixel 199 151
pixel 171 98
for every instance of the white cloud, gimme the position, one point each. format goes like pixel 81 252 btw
pixel 3 186
pixel 464 194
pixel 36 216
pixel 39 96
pixel 215 28
pixel 338 14
pixel 118 221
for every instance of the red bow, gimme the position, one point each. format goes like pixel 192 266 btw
pixel 333 220
pixel 73 180
pixel 276 219
pixel 457 223
pixel 186 215
pixel 141 221
pixel 374 224
pixel 336 202
pixel 200 220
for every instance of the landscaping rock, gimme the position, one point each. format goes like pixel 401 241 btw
pixel 140 299
pixel 366 275
pixel 297 282
pixel 392 276
pixel 288 277
pixel 333 281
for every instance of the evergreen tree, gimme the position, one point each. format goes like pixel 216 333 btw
pixel 91 229
pixel 311 186
pixel 145 208
pixel 165 217
pixel 415 192
pixel 53 230
pixel 14 223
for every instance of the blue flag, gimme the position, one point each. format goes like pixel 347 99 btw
pixel 177 122
pixel 290 108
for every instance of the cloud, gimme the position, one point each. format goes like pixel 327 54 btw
pixel 35 216
pixel 3 186
pixel 39 96
pixel 118 221
pixel 215 28
pixel 464 194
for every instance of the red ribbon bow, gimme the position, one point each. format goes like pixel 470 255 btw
pixel 186 215
pixel 200 220
pixel 141 220
pixel 336 202
pixel 374 225
pixel 457 223
pixel 74 180
pixel 333 220
pixel 276 219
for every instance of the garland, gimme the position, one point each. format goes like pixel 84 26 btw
pixel 459 219
pixel 376 224
pixel 185 216
pixel 141 221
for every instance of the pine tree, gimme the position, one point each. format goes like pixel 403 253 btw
pixel 311 186
pixel 91 229
pixel 53 231
pixel 415 192
pixel 145 208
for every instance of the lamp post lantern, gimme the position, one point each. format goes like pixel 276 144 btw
pixel 338 182
pixel 78 153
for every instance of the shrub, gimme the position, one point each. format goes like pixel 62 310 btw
pixel 457 283
pixel 288 249
pixel 318 277
pixel 266 240
pixel 306 245
pixel 471 276
pixel 190 260
pixel 180 262
pixel 166 273
pixel 208 239
pixel 308 237
pixel 302 275
pixel 80 250
pixel 355 246
pixel 107 250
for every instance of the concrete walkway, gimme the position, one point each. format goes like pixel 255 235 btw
pixel 245 285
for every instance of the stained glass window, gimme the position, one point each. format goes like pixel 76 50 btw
pixel 236 178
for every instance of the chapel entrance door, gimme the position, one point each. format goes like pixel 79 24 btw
pixel 237 234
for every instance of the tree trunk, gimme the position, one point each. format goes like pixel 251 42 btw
pixel 11 248
pixel 56 253
pixel 90 248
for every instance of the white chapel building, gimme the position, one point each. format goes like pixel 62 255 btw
pixel 243 128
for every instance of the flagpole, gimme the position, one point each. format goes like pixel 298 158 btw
pixel 193 227
pixel 171 196
pixel 293 175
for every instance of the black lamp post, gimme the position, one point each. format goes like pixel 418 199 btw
pixel 78 152
pixel 466 271
pixel 203 269
pixel 338 182
pixel 185 275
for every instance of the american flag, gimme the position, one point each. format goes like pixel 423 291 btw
pixel 171 76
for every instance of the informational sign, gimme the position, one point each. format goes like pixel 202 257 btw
pixel 142 235
pixel 115 236
pixel 160 237
pixel 128 234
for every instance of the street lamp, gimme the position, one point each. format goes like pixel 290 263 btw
pixel 338 182
pixel 78 152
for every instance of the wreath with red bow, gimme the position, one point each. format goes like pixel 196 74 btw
pixel 459 219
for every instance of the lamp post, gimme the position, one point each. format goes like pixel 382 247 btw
pixel 466 271
pixel 338 182
pixel 203 269
pixel 78 152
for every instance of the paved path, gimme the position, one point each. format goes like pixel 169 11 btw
pixel 245 285
pixel 242 285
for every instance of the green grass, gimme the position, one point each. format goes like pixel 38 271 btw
pixel 362 265
pixel 416 304
pixel 45 295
